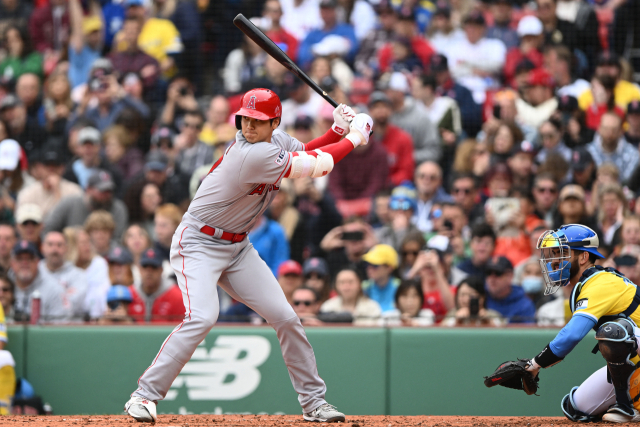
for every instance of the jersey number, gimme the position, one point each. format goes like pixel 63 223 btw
pixel 260 189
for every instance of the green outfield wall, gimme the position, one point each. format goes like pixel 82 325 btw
pixel 396 371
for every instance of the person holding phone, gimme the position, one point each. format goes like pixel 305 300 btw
pixel 347 244
pixel 470 309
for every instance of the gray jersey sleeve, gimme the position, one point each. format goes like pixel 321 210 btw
pixel 264 164
pixel 286 141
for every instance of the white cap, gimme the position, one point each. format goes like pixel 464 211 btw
pixel 10 152
pixel 439 242
pixel 332 45
pixel 529 26
pixel 29 212
pixel 399 82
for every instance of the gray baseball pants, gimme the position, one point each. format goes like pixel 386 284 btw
pixel 200 262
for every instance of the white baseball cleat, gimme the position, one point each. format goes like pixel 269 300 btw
pixel 618 415
pixel 324 414
pixel 141 409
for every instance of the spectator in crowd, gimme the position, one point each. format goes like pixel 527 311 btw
pixel 269 239
pixel 289 276
pixel 331 26
pixel 136 240
pixel 86 40
pixel 118 300
pixel 166 220
pixel 24 273
pixel 397 143
pixel 538 102
pixel 572 208
pixel 406 35
pixel 623 91
pixel 632 134
pixel 545 194
pixel 464 191
pixel 502 12
pixel 409 302
pixel 180 98
pixel 316 276
pixel 380 285
pixel 442 33
pixel 50 187
pixel 430 270
pixel 443 111
pixel 21 58
pixel 14 12
pixel 271 16
pixel 21 128
pixel 99 225
pixel 120 266
pixel 126 159
pixel 74 210
pixel 80 252
pixel 629 232
pixel 610 146
pixel 159 37
pixel 307 306
pixel 351 299
pixel 527 48
pixel 366 62
pixel 12 177
pixel 556 312
pixel 28 91
pixel 505 298
pixel 63 279
pixel 428 180
pixel 477 60
pixel 29 223
pixel 627 262
pixel 552 143
pixel 7 297
pixel 410 247
pixel 89 159
pixel 402 206
pixel 112 100
pixel 506 137
pixel 346 244
pixel 242 65
pixel 411 116
pixel 8 240
pixel 300 17
pixel 471 306
pixel 561 64
pixel 56 104
pixel 133 59
pixel 192 153
pixel 612 207
pixel 49 27
pixel 302 102
pixel 155 300
pixel 483 242
pixel 216 130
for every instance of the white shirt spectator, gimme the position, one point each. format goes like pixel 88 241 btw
pixel 98 285
pixel 443 43
pixel 552 313
pixel 291 109
pixel 300 20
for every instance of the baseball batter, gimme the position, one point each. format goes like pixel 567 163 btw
pixel 603 300
pixel 210 246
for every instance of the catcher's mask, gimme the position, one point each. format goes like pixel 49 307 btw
pixel 555 253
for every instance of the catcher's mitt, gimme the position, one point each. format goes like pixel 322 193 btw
pixel 514 375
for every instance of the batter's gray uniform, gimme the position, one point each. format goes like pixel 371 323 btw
pixel 231 198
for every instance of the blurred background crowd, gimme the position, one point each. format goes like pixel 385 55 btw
pixel 494 120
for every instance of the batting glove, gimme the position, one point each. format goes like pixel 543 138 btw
pixel 342 116
pixel 361 128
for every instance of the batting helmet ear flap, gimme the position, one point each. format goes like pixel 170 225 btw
pixel 238 122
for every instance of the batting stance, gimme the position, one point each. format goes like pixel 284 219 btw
pixel 603 300
pixel 210 246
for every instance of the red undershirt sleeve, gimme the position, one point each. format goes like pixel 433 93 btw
pixel 330 137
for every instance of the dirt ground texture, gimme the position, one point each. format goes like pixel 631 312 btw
pixel 283 421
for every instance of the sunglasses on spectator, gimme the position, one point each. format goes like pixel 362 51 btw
pixel 5 289
pixel 550 190
pixel 305 303
pixel 462 190
pixel 495 273
pixel 414 253
pixel 400 205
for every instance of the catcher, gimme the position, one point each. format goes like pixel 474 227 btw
pixel 603 300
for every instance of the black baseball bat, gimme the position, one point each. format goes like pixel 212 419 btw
pixel 275 52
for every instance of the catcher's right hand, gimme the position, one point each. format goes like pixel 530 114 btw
pixel 514 375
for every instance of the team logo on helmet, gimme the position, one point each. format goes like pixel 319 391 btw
pixel 277 112
pixel 252 103
pixel 368 127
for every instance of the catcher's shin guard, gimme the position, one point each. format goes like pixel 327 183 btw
pixel 619 348
pixel 570 410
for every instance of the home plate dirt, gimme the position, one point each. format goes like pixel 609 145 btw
pixel 283 421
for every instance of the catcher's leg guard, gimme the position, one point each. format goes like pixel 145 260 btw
pixel 570 411
pixel 619 348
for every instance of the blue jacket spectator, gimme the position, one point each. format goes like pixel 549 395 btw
pixel 331 27
pixel 270 241
pixel 380 285
pixel 508 300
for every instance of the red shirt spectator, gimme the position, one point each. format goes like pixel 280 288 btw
pixel 271 15
pixel 419 46
pixel 530 31
pixel 49 26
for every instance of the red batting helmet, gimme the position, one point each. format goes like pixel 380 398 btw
pixel 261 104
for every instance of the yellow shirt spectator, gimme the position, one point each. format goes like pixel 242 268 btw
pixel 624 93
pixel 3 327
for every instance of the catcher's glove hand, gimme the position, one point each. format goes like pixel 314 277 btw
pixel 514 375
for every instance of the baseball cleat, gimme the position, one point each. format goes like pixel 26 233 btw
pixel 616 414
pixel 141 409
pixel 324 414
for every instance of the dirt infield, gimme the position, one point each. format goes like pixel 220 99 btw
pixel 283 421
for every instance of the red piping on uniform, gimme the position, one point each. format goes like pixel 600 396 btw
pixel 215 165
pixel 185 277
pixel 286 169
pixel 330 137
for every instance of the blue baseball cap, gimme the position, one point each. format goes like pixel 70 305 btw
pixel 129 3
pixel 25 247
pixel 151 258
pixel 118 293
pixel 315 265
pixel 120 255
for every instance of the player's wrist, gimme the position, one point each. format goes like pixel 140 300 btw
pixel 547 358
pixel 355 139
pixel 340 130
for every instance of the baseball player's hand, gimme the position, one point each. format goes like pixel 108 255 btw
pixel 342 116
pixel 361 128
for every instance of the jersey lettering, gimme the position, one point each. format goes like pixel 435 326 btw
pixel 258 190
pixel 281 156
pixel 252 103
pixel 274 187
pixel 582 304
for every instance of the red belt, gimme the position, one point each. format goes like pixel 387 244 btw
pixel 235 238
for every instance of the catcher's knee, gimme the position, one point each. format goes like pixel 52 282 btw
pixel 617 341
pixel 570 410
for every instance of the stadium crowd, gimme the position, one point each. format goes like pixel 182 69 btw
pixel 493 121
